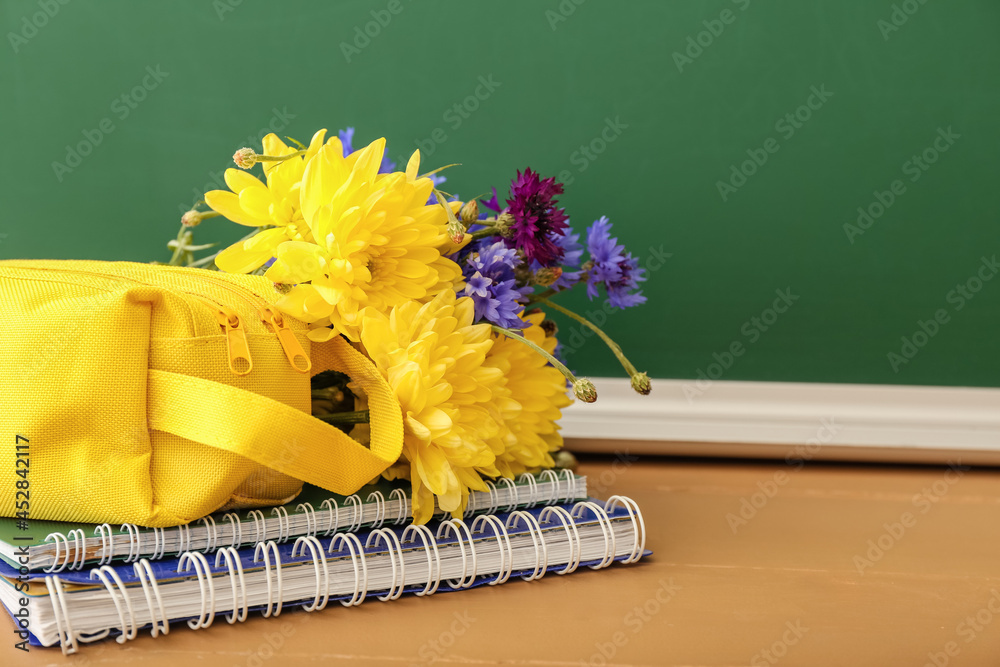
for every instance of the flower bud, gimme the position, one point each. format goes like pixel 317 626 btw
pixel 245 158
pixel 456 232
pixel 548 275
pixel 640 382
pixel 585 390
pixel 505 225
pixel 469 213
pixel 191 219
pixel 564 459
pixel 549 327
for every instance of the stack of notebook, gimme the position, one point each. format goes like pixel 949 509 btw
pixel 66 583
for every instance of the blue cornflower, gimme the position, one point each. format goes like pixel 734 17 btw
pixel 572 256
pixel 489 280
pixel 612 267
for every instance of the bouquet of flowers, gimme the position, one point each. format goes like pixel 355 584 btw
pixel 447 298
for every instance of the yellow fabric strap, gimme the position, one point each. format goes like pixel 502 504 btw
pixel 277 435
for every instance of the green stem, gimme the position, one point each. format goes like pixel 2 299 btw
pixel 483 233
pixel 175 260
pixel 626 364
pixel 552 360
pixel 279 158
pixel 544 295
pixel 356 417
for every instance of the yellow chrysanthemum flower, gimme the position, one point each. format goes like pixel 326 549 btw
pixel 254 203
pixel 539 390
pixel 365 240
pixel 433 357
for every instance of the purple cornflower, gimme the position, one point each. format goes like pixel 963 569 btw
pixel 489 280
pixel 537 219
pixel 612 267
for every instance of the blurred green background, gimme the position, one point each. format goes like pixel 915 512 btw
pixel 117 115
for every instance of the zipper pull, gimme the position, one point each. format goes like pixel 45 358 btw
pixel 297 356
pixel 236 342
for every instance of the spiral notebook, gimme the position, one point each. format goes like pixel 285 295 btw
pixel 79 607
pixel 57 546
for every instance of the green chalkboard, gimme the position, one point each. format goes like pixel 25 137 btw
pixel 810 184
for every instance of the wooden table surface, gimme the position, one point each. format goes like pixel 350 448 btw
pixel 754 564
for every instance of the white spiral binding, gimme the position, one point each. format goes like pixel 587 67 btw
pixel 379 508
pixel 553 478
pixel 144 573
pixel 572 535
pixel 638 525
pixel 134 541
pixel 67 638
pixel 77 553
pixel 319 558
pixel 234 519
pixel 160 623
pixel 259 526
pixel 129 627
pixel 312 527
pixel 394 550
pixel 284 523
pixel 532 489
pixel 443 531
pixel 570 483
pixel 333 510
pixel 494 497
pixel 537 540
pixel 235 567
pixel 107 536
pixel 503 545
pixel 159 545
pixel 183 539
pixel 513 493
pixel 270 547
pixel 211 534
pixel 360 576
pixel 357 516
pixel 433 562
pixel 607 530
pixel 196 560
pixel 404 506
